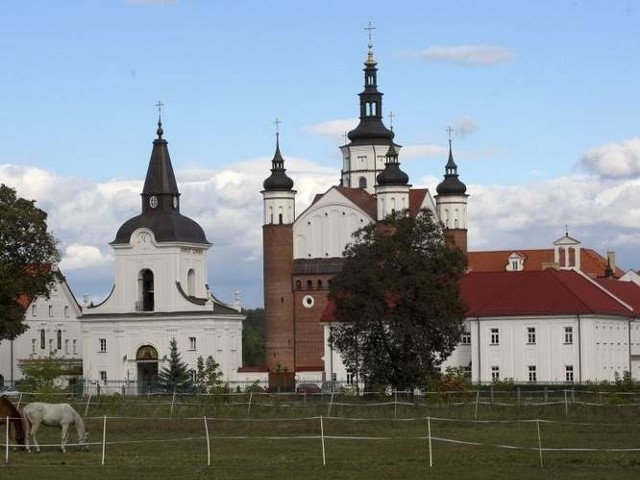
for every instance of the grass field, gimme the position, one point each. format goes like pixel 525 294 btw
pixel 309 438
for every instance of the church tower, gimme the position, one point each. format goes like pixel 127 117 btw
pixel 160 293
pixel 277 241
pixel 451 204
pixel 363 158
pixel 393 186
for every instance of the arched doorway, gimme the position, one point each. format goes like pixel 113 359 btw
pixel 147 361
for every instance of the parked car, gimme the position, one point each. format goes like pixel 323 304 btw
pixel 9 391
pixel 309 388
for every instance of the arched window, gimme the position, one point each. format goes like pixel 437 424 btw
pixel 191 283
pixel 298 285
pixel 319 284
pixel 362 182
pixel 280 219
pixel 309 285
pixel 146 297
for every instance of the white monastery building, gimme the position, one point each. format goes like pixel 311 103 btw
pixel 53 329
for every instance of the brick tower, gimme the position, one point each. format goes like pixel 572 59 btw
pixel 277 243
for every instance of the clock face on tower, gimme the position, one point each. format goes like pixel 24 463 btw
pixel 153 201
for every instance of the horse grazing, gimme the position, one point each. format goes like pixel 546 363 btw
pixel 53 415
pixel 16 427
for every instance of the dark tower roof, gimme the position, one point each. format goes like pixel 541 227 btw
pixel 392 175
pixel 278 180
pixel 451 185
pixel 161 203
pixel 370 130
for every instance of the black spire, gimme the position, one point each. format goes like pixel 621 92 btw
pixel 370 129
pixel 161 202
pixel 278 180
pixel 451 185
pixel 392 175
pixel 160 182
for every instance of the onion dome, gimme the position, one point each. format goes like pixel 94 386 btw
pixel 278 180
pixel 392 175
pixel 451 185
pixel 370 130
pixel 161 203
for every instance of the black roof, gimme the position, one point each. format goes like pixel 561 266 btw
pixel 451 185
pixel 278 180
pixel 392 175
pixel 161 203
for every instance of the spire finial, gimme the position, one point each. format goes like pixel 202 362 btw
pixel 450 132
pixel 159 105
pixel 370 28
pixel 391 115
pixel 566 230
pixel 370 60
pixel 277 123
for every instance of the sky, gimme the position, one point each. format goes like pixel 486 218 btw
pixel 542 97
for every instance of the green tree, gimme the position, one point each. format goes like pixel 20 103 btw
pixel 253 351
pixel 208 375
pixel 175 377
pixel 397 301
pixel 27 253
pixel 40 374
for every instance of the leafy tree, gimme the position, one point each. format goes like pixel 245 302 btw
pixel 253 351
pixel 208 375
pixel 40 374
pixel 397 301
pixel 176 376
pixel 27 253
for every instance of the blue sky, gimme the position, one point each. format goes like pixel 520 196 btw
pixel 542 96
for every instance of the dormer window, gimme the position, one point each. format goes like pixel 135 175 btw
pixel 515 263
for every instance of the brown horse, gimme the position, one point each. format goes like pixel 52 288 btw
pixel 16 429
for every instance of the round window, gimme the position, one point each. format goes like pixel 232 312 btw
pixel 307 301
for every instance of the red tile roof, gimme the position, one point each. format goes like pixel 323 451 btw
pixel 543 292
pixel 540 293
pixel 591 262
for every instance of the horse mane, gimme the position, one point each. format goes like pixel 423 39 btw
pixel 78 421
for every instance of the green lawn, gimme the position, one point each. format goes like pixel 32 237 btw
pixel 280 438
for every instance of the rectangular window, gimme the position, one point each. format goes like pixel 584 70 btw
pixel 59 339
pixel 531 335
pixel 568 373
pixel 568 335
pixel 51 310
pixel 66 310
pixel 42 339
pixel 192 343
pixel 75 346
pixel 103 345
pixel 34 310
pixel 533 377
pixel 466 338
pixel 66 346
pixel 103 376
pixel 495 373
pixel 495 336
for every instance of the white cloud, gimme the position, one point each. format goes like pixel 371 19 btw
pixel 409 152
pixel 464 126
pixel 334 129
pixel 614 160
pixel 83 256
pixel 85 215
pixel 467 54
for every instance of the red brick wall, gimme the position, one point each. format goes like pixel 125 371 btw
pixel 277 242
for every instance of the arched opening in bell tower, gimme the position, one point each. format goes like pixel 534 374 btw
pixel 146 289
